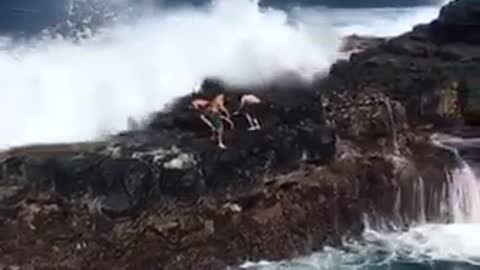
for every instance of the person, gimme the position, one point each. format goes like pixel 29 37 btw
pixel 201 105
pixel 248 106
pixel 212 115
pixel 217 118
pixel 219 113
pixel 218 104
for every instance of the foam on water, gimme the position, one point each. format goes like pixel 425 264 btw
pixel 385 22
pixel 423 243
pixel 56 90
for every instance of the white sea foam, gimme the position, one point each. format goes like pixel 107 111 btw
pixel 457 242
pixel 59 91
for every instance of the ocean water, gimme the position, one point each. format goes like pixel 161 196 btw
pixel 424 246
pixel 60 89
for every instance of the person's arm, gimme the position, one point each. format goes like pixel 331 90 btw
pixel 196 104
pixel 206 121
pixel 225 110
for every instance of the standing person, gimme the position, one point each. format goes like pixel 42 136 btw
pixel 217 118
pixel 218 104
pixel 219 113
pixel 249 104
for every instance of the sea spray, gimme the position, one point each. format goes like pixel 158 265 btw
pixel 61 89
pixel 456 241
pixel 464 189
pixel 436 245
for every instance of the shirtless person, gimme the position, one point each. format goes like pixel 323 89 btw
pixel 219 105
pixel 248 106
pixel 218 113
pixel 201 105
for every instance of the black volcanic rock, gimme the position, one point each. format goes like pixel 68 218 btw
pixel 459 21
pixel 431 70
pixel 174 156
pixel 164 195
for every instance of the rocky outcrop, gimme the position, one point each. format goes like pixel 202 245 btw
pixel 285 215
pixel 174 156
pixel 165 196
pixel 432 70
pixel 459 21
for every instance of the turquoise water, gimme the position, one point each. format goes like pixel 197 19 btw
pixel 372 264
pixel 391 265
pixel 427 247
pixel 424 246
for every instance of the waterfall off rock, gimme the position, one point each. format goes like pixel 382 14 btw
pixel 429 242
pixel 421 197
pixel 464 188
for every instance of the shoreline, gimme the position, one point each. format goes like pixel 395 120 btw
pixel 165 197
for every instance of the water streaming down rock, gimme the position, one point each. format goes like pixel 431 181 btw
pixel 433 197
pixel 442 221
pixel 464 187
pixel 465 196
pixel 420 197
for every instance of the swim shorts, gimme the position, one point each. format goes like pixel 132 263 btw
pixel 217 122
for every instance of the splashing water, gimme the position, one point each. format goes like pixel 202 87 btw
pixel 465 196
pixel 465 187
pixel 424 245
pixel 62 90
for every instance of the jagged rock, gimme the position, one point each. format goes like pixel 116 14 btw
pixel 420 68
pixel 164 195
pixel 174 156
pixel 459 21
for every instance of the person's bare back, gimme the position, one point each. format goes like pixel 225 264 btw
pixel 248 107
pixel 250 99
pixel 200 103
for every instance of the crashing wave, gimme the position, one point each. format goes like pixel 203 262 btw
pixel 84 18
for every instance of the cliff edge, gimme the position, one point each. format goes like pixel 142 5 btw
pixel 164 196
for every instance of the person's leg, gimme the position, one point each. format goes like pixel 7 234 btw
pixel 213 137
pixel 249 118
pixel 220 138
pixel 254 111
pixel 218 128
pixel 257 124
pixel 250 122
pixel 246 113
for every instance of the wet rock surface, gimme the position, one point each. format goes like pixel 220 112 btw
pixel 164 196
